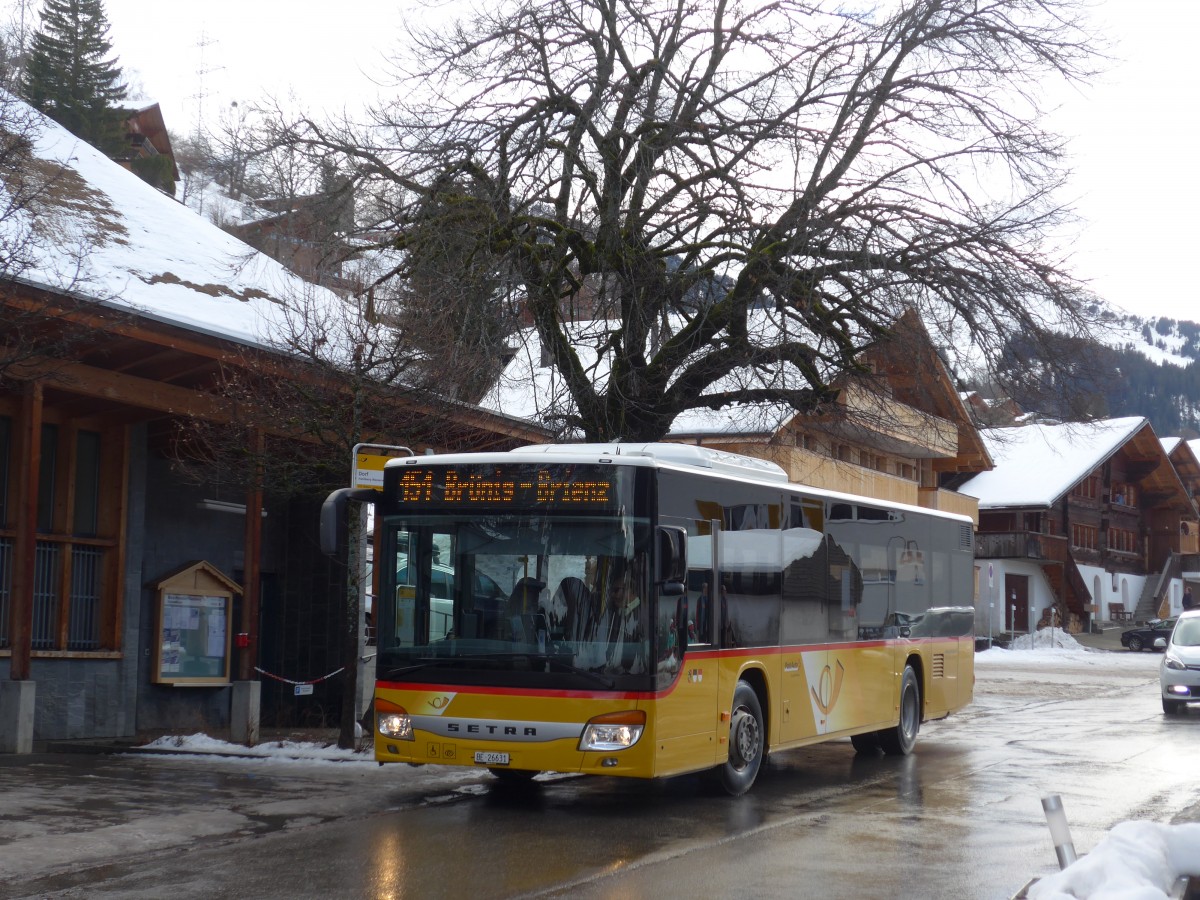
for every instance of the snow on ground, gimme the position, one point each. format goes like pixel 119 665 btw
pixel 1060 650
pixel 1135 861
pixel 280 751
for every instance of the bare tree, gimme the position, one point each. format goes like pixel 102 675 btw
pixel 749 193
pixel 456 301
pixel 15 32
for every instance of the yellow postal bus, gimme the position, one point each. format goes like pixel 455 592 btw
pixel 648 610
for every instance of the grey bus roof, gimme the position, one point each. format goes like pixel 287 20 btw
pixel 678 456
pixel 687 455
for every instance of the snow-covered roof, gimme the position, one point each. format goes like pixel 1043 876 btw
pixel 1037 464
pixel 1169 444
pixel 102 233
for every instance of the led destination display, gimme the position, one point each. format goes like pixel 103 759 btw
pixel 581 487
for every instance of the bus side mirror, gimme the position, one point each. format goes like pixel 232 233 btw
pixel 335 530
pixel 672 560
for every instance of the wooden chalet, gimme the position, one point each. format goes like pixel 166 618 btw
pixel 902 433
pixel 149 147
pixel 101 635
pixel 1080 523
pixel 307 234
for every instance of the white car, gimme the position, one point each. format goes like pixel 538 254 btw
pixel 1179 673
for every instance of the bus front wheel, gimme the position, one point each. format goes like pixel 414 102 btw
pixel 747 741
pixel 899 741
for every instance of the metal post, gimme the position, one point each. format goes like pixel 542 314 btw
pixel 1060 831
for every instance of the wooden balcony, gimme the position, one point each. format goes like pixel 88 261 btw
pixel 876 420
pixel 949 501
pixel 1021 545
pixel 806 467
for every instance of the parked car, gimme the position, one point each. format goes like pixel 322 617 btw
pixel 1149 636
pixel 1179 672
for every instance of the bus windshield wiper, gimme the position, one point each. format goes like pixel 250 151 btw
pixel 493 659
pixel 408 670
pixel 575 670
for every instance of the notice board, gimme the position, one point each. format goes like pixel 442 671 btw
pixel 193 635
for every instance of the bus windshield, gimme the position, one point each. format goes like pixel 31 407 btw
pixel 515 598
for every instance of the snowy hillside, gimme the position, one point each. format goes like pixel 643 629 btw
pixel 1161 340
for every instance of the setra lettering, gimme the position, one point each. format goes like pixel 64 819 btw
pixel 492 728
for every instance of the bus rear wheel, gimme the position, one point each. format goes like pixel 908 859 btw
pixel 747 742
pixel 899 741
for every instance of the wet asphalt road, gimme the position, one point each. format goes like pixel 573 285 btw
pixel 961 818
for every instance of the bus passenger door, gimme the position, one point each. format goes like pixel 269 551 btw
pixel 686 714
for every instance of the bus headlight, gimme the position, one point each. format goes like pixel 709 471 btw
pixel 613 731
pixel 393 721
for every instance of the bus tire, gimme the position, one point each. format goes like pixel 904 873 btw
pixel 747 742
pixel 899 741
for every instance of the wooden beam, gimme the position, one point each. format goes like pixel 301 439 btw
pixel 114 499
pixel 168 399
pixel 28 464
pixel 66 464
pixel 103 384
pixel 252 564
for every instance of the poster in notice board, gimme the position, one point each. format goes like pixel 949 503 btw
pixel 193 639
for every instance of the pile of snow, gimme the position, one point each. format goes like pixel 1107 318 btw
pixel 1055 648
pixel 281 750
pixel 1136 861
pixel 1047 638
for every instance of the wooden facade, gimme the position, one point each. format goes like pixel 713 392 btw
pixel 92 510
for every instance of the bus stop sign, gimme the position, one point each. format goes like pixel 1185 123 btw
pixel 369 460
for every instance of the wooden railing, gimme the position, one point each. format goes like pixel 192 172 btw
pixel 949 501
pixel 1020 545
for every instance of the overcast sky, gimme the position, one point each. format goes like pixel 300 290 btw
pixel 1136 183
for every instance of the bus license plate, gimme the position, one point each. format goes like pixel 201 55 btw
pixel 489 758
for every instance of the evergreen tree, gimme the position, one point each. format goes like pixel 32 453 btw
pixel 71 76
